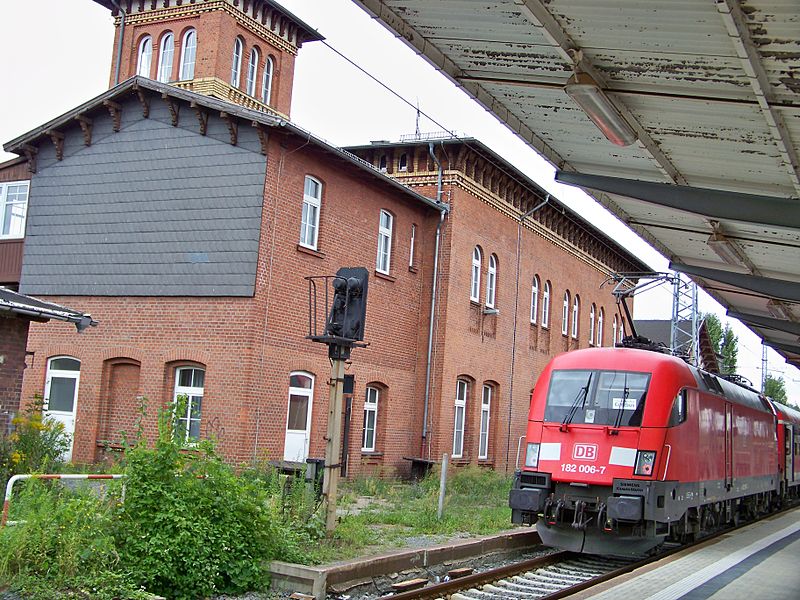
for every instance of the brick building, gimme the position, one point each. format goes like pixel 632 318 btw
pixel 184 214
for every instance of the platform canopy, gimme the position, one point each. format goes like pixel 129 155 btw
pixel 681 117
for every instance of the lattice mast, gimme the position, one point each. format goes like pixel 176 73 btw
pixel 684 327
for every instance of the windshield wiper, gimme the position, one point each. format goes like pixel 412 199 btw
pixel 580 398
pixel 625 393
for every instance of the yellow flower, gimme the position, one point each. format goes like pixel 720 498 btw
pixel 16 457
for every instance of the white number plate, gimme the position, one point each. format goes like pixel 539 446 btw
pixel 591 469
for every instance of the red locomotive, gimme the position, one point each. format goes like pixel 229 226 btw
pixel 627 447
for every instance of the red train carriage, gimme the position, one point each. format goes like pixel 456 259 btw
pixel 626 447
pixel 788 449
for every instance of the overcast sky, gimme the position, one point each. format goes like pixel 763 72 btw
pixel 57 54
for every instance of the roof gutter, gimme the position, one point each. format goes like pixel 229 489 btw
pixel 118 60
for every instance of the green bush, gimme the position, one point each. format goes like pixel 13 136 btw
pixel 191 528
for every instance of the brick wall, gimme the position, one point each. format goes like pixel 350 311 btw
pixel 13 337
pixel 249 346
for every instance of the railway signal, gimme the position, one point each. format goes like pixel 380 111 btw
pixel 343 330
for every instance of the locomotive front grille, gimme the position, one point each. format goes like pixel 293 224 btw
pixel 539 480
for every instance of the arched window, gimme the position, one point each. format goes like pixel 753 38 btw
pixel 188 398
pixel 546 305
pixel 462 387
pixel 166 52
pixel 475 287
pixel 621 330
pixel 385 227
pixel 486 411
pixel 614 327
pixel 534 298
pixel 266 81
pixel 188 54
pixel 565 314
pixel 309 225
pixel 236 63
pixel 576 308
pixel 600 318
pixel 144 56
pixel 592 315
pixel 252 70
pixel 370 419
pixel 403 165
pixel 491 282
pixel 382 163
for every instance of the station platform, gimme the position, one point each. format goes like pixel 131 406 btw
pixel 761 560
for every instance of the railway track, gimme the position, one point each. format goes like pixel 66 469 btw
pixel 549 577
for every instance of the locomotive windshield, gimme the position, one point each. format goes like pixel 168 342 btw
pixel 613 398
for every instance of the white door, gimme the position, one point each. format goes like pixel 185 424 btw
pixel 298 421
pixel 61 395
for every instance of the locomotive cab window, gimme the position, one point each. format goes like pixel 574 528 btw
pixel 613 398
pixel 678 413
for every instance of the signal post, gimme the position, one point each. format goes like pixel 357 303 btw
pixel 344 330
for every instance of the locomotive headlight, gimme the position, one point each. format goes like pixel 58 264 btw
pixel 532 455
pixel 645 463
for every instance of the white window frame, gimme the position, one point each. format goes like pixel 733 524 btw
pixel 576 311
pixel 166 56
pixel 371 399
pixel 565 315
pixel 546 305
pixel 188 55
pixel 189 391
pixel 475 283
pixel 614 330
pixel 621 330
pixel 309 225
pixel 460 409
pixel 491 282
pixel 10 209
pixel 144 56
pixel 266 80
pixel 600 318
pixel 412 244
pixel 402 163
pixel 384 258
pixel 236 63
pixel 534 299
pixel 486 414
pixel 252 72
pixel 592 316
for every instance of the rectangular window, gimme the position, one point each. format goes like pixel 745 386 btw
pixel 13 209
pixel 370 419
pixel 486 406
pixel 460 410
pixel 309 226
pixel 413 242
pixel 384 242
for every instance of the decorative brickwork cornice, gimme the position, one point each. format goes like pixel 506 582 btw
pixel 468 184
pixel 193 10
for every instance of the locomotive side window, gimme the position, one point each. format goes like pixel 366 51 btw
pixel 678 414
pixel 614 398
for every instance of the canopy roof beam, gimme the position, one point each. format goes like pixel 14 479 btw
pixel 773 288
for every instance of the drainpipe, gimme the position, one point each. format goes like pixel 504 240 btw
pixel 514 330
pixel 118 61
pixel 433 296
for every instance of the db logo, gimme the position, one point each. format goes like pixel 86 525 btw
pixel 584 452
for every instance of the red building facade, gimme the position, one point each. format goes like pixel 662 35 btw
pixel 198 283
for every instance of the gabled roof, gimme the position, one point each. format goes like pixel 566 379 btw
pixel 39 310
pixel 138 84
